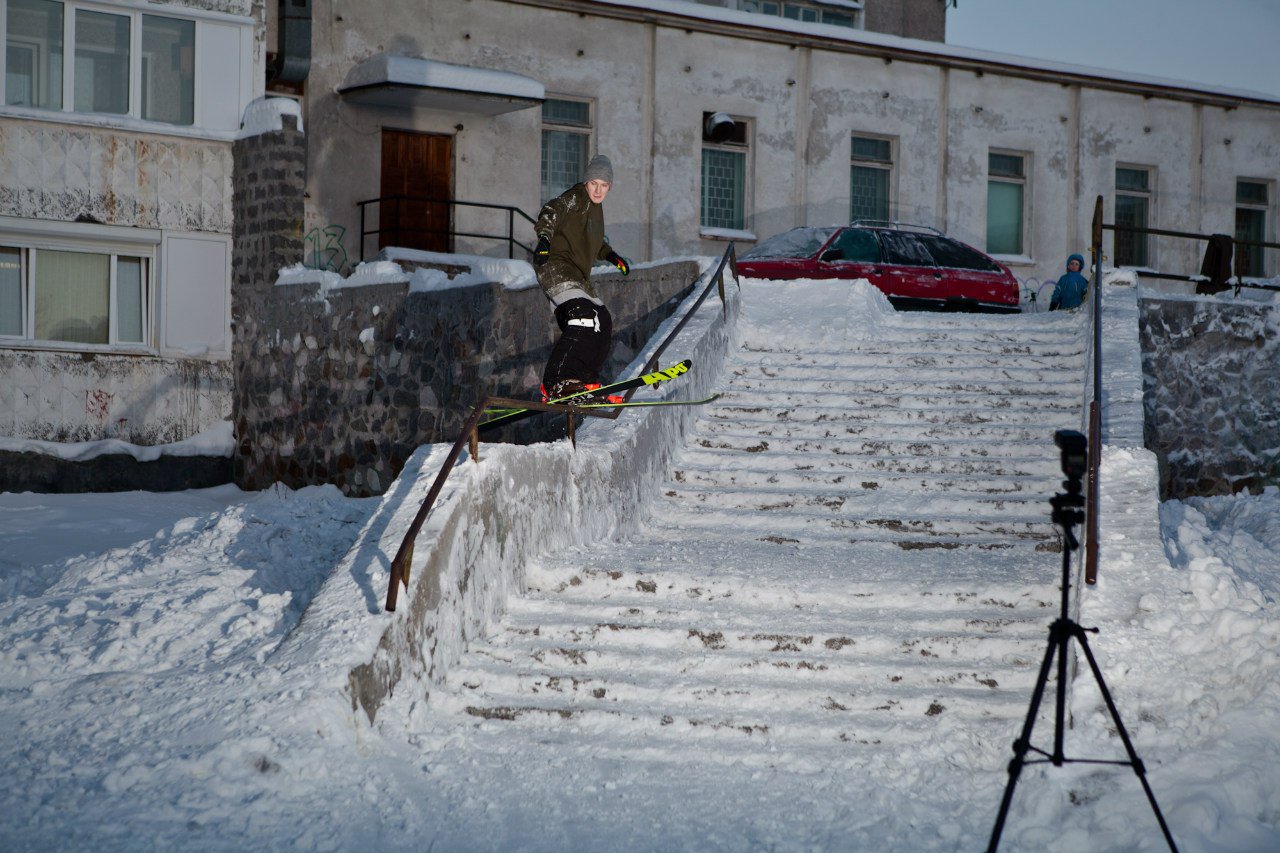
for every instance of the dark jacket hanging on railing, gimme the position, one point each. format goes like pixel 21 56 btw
pixel 1216 266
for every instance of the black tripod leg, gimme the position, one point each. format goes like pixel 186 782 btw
pixel 1138 767
pixel 1023 743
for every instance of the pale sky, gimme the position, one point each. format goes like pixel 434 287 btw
pixel 1229 43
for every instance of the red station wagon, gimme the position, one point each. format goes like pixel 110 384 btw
pixel 915 266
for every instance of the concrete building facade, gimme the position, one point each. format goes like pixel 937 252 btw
pixel 116 131
pixel 644 78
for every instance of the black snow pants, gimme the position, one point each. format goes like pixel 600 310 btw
pixel 586 335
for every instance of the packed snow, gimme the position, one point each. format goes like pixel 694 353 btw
pixel 146 707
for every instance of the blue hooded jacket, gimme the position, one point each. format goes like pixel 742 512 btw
pixel 1071 288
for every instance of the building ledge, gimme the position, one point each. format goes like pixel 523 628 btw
pixel 406 82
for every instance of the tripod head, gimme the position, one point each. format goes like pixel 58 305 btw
pixel 1068 507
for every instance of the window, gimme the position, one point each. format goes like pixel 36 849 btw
pixel 168 70
pixel 102 63
pixel 106 63
pixel 857 245
pixel 870 179
pixel 1251 226
pixel 1133 208
pixel 566 142
pixel 33 54
pixel 55 294
pixel 724 177
pixel 842 13
pixel 1006 203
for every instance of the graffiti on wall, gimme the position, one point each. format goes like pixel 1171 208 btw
pixel 323 249
pixel 97 403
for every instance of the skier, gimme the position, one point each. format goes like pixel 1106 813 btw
pixel 571 238
pixel 1072 288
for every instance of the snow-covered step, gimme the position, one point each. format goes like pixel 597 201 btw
pixel 719 450
pixel 831 440
pixel 802 480
pixel 905 370
pixel 804 410
pixel 850 503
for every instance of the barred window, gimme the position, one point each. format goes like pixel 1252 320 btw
pixel 724 177
pixel 870 179
pixel 566 144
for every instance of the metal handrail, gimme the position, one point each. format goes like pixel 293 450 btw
pixel 1095 409
pixel 401 563
pixel 509 238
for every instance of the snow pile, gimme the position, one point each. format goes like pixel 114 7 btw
pixel 217 440
pixel 265 115
pixel 142 706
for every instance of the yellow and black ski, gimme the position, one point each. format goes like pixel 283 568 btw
pixel 502 417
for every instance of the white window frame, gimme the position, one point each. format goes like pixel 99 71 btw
pixel 747 149
pixel 1027 255
pixel 216 111
pixel 889 166
pixel 1150 195
pixel 115 241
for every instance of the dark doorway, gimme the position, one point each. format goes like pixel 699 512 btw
pixel 416 167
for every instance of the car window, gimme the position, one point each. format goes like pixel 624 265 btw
pixel 950 253
pixel 857 245
pixel 904 248
pixel 796 243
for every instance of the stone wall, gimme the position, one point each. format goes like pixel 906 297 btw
pixel 1211 389
pixel 341 385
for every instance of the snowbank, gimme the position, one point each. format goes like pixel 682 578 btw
pixel 215 441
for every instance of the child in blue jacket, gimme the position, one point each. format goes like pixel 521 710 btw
pixel 1072 288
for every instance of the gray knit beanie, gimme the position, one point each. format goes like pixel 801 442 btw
pixel 599 169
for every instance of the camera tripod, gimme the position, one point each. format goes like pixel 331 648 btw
pixel 1067 513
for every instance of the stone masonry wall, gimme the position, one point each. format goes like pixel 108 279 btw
pixel 341 385
pixel 1211 389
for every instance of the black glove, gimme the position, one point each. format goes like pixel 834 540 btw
pixel 542 251
pixel 623 265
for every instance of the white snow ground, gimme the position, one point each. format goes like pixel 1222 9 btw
pixel 141 708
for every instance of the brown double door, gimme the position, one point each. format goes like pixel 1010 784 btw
pixel 417 185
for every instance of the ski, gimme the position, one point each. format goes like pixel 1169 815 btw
pixel 507 416
pixel 638 403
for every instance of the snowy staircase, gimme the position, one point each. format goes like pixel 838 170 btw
pixel 853 552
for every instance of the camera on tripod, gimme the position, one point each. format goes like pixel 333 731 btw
pixel 1068 508
pixel 1075 453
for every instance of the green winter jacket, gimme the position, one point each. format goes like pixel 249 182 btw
pixel 575 227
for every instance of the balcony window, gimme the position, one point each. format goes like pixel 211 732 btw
pixel 72 296
pixel 123 63
pixel 33 54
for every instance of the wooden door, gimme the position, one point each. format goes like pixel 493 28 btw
pixel 417 185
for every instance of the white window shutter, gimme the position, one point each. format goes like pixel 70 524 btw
pixel 195 295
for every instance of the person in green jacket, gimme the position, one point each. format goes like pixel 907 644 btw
pixel 571 239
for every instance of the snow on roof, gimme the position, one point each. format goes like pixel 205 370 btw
pixel 385 68
pixel 689 9
pixel 265 115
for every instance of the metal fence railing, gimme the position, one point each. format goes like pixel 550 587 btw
pixel 391 209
